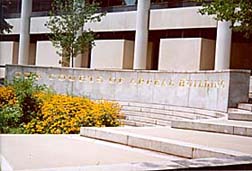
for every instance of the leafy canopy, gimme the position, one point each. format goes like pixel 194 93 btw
pixel 66 22
pixel 239 12
pixel 4 26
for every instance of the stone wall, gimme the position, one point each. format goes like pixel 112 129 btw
pixel 205 89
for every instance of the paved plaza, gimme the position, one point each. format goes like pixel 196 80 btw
pixel 22 152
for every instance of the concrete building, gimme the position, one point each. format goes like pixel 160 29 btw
pixel 151 35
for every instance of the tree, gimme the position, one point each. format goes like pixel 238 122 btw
pixel 239 12
pixel 4 26
pixel 66 23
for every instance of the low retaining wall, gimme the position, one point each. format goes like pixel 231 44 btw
pixel 205 89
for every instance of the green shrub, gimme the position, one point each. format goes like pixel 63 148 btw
pixel 27 107
pixel 25 89
pixel 10 118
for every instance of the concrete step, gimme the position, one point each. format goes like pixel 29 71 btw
pixel 238 114
pixel 159 144
pixel 241 128
pixel 147 120
pixel 245 106
pixel 136 123
pixel 154 116
pixel 170 110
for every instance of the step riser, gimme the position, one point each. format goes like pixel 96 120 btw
pixel 163 116
pixel 184 114
pixel 159 108
pixel 247 107
pixel 137 123
pixel 240 117
pixel 149 119
pixel 153 123
pixel 208 127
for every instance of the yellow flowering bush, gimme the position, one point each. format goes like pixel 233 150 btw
pixel 7 96
pixel 26 107
pixel 62 114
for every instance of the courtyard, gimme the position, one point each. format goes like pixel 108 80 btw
pixel 125 85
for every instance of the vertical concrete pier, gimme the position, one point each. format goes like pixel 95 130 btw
pixel 223 45
pixel 141 39
pixel 24 42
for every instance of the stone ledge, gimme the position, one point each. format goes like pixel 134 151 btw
pixel 168 146
pixel 210 126
pixel 245 106
pixel 241 115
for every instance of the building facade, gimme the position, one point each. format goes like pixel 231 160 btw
pixel 166 35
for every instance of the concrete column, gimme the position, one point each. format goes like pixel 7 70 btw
pixel 223 45
pixel 24 42
pixel 141 39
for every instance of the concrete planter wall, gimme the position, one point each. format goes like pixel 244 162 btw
pixel 205 89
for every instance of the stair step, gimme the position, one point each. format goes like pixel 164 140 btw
pixel 136 123
pixel 170 110
pixel 157 116
pixel 245 106
pixel 239 114
pixel 158 144
pixel 161 113
pixel 219 126
pixel 159 122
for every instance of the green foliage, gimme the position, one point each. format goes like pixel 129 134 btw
pixel 10 118
pixel 66 22
pixel 4 26
pixel 239 12
pixel 25 89
pixel 26 107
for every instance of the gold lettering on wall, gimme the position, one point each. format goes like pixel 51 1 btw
pixel 99 79
pixel 221 84
pixel 112 80
pixel 186 83
pixel 140 81
pixel 71 78
pixel 120 80
pixel 148 82
pixel 133 82
pixel 61 77
pixel 182 83
pixel 82 78
pixel 163 83
pixel 90 79
pixel 156 82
